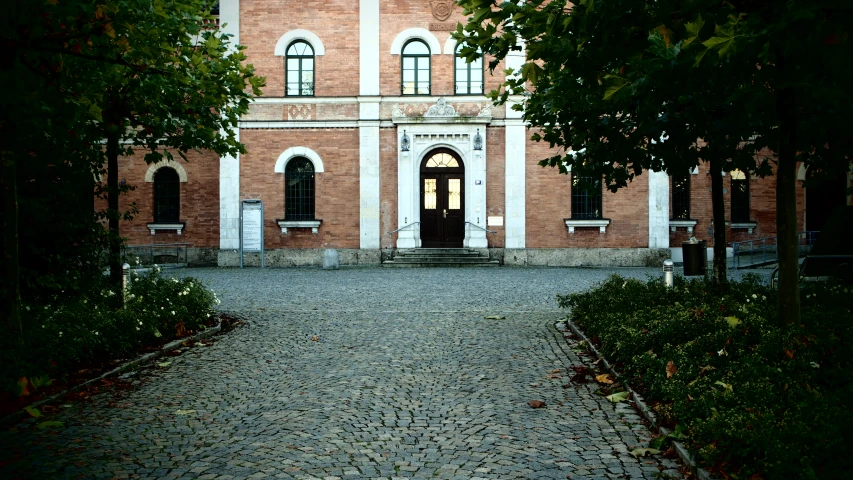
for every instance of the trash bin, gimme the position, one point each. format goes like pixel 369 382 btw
pixel 695 257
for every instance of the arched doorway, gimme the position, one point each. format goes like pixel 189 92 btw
pixel 442 200
pixel 822 199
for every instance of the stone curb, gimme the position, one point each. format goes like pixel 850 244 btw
pixel 647 412
pixel 131 365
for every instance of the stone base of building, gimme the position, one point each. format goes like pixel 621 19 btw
pixel 585 257
pixel 519 257
pixel 299 257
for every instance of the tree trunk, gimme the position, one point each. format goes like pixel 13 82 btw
pixel 788 303
pixel 11 260
pixel 113 212
pixel 719 214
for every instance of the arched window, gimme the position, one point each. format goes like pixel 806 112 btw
pixel 416 74
pixel 299 66
pixel 299 189
pixel 167 196
pixel 740 197
pixel 469 76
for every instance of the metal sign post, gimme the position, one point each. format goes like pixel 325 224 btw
pixel 252 228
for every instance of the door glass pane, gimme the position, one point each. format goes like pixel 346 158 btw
pixel 429 193
pixel 454 194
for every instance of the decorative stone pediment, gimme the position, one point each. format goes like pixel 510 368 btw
pixel 441 109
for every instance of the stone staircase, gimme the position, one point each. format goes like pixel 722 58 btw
pixel 440 257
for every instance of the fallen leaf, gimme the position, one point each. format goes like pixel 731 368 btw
pixel 556 371
pixel 604 378
pixel 164 364
pixel 554 375
pixel 642 452
pixel 670 369
pixel 34 412
pixel 733 321
pixel 618 397
pixel 184 412
pixel 494 317
pixel 52 423
pixel 315 338
pixel 789 354
pixel 22 384
pixel 536 403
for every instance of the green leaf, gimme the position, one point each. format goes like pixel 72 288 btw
pixel 615 85
pixel 659 442
pixel 164 364
pixel 618 397
pixel 49 424
pixel 95 112
pixel 42 381
pixel 733 321
pixel 642 452
pixel 693 29
pixel 34 412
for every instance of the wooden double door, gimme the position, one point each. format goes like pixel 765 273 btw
pixel 442 200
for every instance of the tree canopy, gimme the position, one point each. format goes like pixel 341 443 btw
pixel 622 86
pixel 88 81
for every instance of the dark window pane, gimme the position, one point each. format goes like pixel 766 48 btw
pixel 299 189
pixel 586 198
pixel 740 198
pixel 167 196
pixel 681 197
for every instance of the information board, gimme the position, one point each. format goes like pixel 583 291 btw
pixel 252 229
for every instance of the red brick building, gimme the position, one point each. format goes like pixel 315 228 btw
pixel 369 124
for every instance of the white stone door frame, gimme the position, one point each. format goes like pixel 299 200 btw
pixel 425 135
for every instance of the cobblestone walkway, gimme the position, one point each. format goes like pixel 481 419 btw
pixel 407 380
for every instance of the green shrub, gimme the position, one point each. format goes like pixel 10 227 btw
pixel 755 398
pixel 61 336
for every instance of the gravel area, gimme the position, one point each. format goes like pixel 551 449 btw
pixel 358 373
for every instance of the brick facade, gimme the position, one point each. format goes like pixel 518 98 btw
pixel 342 127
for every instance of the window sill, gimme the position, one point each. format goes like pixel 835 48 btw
pixel 314 225
pixel 749 226
pixel 601 223
pixel 688 224
pixel 154 227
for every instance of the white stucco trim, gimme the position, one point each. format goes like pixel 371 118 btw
pixel 182 173
pixel 293 152
pixel 450 46
pixel 229 166
pixel 412 33
pixel 659 222
pixel 368 47
pixel 299 34
pixel 801 173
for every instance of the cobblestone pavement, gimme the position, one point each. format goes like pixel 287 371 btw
pixel 407 379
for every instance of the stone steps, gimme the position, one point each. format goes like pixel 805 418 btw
pixel 439 257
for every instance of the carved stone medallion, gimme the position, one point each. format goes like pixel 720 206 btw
pixel 441 109
pixel 441 9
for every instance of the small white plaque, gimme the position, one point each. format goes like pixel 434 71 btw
pixel 495 221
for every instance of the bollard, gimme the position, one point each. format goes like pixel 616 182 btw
pixel 667 273
pixel 125 273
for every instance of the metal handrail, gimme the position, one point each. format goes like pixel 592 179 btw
pixel 481 228
pixel 753 245
pixel 390 238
